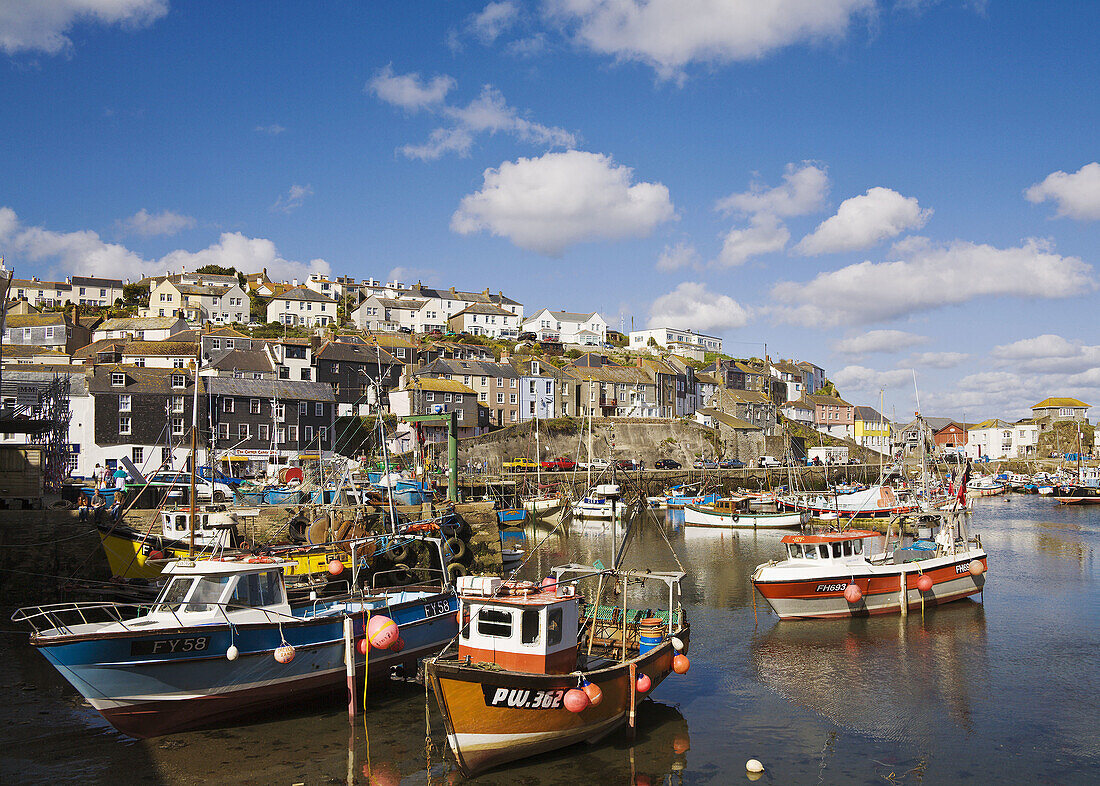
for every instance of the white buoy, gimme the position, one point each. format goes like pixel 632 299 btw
pixel 232 653
pixel 752 765
pixel 677 644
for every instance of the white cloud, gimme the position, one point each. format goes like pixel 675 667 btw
pixel 274 129
pixel 148 224
pixel 86 253
pixel 938 359
pixel 493 20
pixel 292 199
pixel 42 25
pixel 1048 353
pixel 692 307
pixel 669 34
pixel 765 235
pixel 677 256
pixel 1077 195
pixel 863 379
pixel 803 191
pixel 549 203
pixel 878 341
pixel 933 276
pixel 409 91
pixel 863 221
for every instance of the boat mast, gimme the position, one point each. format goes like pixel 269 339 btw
pixel 194 452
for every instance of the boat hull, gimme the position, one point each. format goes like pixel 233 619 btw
pixel 821 596
pixel 144 693
pixel 485 732
pixel 699 516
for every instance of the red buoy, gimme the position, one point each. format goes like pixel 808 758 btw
pixel 576 700
pixel 336 567
pixel 924 583
pixel 681 664
pixel 976 567
pixel 852 593
pixel 155 555
pixel 592 690
pixel 362 646
pixel 644 683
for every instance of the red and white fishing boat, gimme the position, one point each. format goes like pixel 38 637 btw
pixel 833 574
pixel 873 502
pixel 985 486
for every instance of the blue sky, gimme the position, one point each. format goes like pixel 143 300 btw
pixel 873 186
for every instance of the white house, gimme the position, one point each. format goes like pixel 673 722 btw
pixel 302 306
pixel 485 319
pixel 88 291
pixel 674 339
pixel 999 439
pixel 199 303
pixel 140 328
pixel 568 327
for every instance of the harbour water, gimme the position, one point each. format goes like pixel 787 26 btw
pixel 1001 689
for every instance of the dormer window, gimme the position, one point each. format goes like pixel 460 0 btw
pixel 179 381
pixel 118 380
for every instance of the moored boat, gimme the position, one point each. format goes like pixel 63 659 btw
pixel 536 670
pixel 734 513
pixel 985 486
pixel 877 501
pixel 600 502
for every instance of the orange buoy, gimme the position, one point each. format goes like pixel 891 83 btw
pixel 382 632
pixel 336 567
pixel 643 683
pixel 576 700
pixel 924 583
pixel 976 567
pixel 852 593
pixel 284 653
pixel 362 645
pixel 592 690
pixel 681 744
pixel 681 664
pixel 155 555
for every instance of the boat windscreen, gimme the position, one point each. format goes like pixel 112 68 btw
pixel 171 597
pixel 208 591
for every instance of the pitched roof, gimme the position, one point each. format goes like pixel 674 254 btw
pixel 138 323
pixel 192 334
pixel 406 304
pixel 624 375
pixel 572 316
pixel 869 415
pixel 354 353
pixel 209 290
pixel 729 420
pixel 139 379
pixel 29 350
pixel 265 388
pixel 49 319
pixel 87 281
pixel 457 294
pixel 825 400
pixel 30 283
pixel 482 368
pixel 491 309
pixel 242 360
pixel 443 385
pixel 303 293
pixel 1048 403
pixel 158 348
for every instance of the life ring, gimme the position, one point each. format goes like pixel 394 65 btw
pixel 734 517
pixel 520 587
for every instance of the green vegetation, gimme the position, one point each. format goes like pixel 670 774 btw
pixel 217 270
pixel 135 295
pixel 278 330
pixel 257 307
pixel 1062 438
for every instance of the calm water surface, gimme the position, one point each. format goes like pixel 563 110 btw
pixel 1004 689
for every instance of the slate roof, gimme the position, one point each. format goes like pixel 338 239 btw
pixel 266 388
pixel 28 283
pixel 826 400
pixel 457 294
pixel 491 309
pixel 441 385
pixel 343 351
pixel 481 368
pixel 49 319
pixel 32 372
pixel 29 351
pixel 202 290
pixel 84 281
pixel 158 348
pixel 730 420
pixel 138 323
pixel 303 293
pixel 242 360
pixel 869 415
pixel 139 380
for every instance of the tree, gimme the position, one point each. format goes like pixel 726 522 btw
pixel 652 343
pixel 217 270
pixel 135 295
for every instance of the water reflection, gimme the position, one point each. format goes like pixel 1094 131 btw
pixel 889 677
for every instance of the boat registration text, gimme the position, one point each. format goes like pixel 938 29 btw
pixel 169 646
pixel 523 699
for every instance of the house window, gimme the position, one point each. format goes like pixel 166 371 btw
pixel 500 398
pixel 484 381
pixel 177 427
pixel 177 403
pixel 228 405
pixel 429 396
pixel 284 372
pixel 513 383
pixel 512 415
pixel 303 408
pixel 137 455
pixel 511 398
pixel 179 363
pixel 483 396
pixel 500 382
pixel 292 432
pixel 254 406
pixel 124 403
pixel 223 431
pixel 262 432
pixel 318 409
pixel 166 457
pixel 124 424
pixel 322 435
pixel 27 334
pixel 49 332
pixel 179 381
pixel 280 435
pixel 215 343
pixel 118 380
pixel 242 431
pixel 307 434
pixel 139 362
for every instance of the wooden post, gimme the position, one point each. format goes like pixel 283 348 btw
pixel 904 594
pixel 633 692
pixel 624 616
pixel 349 664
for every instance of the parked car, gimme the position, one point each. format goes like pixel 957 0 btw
pixel 404 330
pixel 705 464
pixel 768 461
pixel 176 485
pixel 521 464
pixel 559 464
pixel 731 464
pixel 527 336
pixel 630 464
pixel 597 463
pixel 666 464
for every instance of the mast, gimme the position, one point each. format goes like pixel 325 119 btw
pixel 194 452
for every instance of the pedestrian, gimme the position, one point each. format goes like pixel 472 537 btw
pixel 97 476
pixel 120 478
pixel 114 513
pixel 84 509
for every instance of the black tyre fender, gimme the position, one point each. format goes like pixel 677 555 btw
pixel 454 548
pixel 456 569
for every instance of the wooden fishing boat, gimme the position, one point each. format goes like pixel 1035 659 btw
pixel 536 669
pixel 734 513
pixel 985 486
pixel 873 502
pixel 224 639
pixel 832 574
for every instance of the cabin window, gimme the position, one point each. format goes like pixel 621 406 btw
pixel 857 546
pixel 207 592
pixel 847 548
pixel 465 621
pixel 836 550
pixel 794 551
pixel 553 626
pixel 824 549
pixel 492 622
pixel 181 523
pixel 811 552
pixel 174 593
pixel 529 626
pixel 257 589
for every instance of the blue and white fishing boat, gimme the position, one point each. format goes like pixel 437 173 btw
pixel 223 640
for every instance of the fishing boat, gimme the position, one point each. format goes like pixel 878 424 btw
pixel 678 497
pixel 222 639
pixel 833 573
pixel 878 501
pixel 540 503
pixel 985 486
pixel 511 516
pixel 536 669
pixel 734 513
pixel 599 502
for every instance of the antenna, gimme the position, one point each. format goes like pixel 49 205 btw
pixel 916 393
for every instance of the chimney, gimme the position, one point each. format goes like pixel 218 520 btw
pixel 295 282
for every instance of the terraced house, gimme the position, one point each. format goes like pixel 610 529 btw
pixel 496 384
pixel 301 306
pixel 55 330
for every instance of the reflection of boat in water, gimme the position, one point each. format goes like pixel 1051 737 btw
pixel 889 677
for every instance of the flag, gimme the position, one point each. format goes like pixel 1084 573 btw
pixel 962 484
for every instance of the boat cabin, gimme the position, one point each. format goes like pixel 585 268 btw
pixel 843 545
pixel 215 527
pixel 518 625
pixel 727 506
pixel 214 588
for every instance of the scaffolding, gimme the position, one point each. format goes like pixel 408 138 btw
pixel 40 409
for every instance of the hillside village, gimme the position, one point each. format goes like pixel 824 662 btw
pixel 281 365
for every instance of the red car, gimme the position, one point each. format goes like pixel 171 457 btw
pixel 560 464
